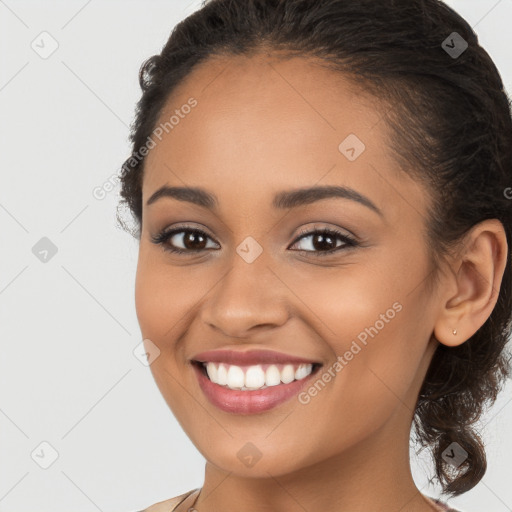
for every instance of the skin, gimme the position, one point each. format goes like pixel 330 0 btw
pixel 264 125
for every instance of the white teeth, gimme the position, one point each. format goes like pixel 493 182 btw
pixel 222 375
pixel 236 377
pixel 254 377
pixel 288 374
pixel 212 372
pixel 303 371
pixel 272 376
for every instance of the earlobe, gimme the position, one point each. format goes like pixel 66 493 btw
pixel 477 278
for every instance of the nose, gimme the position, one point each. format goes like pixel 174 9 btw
pixel 250 297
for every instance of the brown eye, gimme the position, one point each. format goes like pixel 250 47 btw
pixel 193 240
pixel 323 241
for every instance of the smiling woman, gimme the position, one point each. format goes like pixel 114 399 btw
pixel 328 221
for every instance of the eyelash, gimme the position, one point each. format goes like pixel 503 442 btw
pixel 162 237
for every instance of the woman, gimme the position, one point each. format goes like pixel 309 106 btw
pixel 321 193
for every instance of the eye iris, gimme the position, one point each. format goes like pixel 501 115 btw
pixel 322 237
pixel 189 237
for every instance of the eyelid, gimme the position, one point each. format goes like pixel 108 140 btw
pixel 315 228
pixel 161 237
pixel 188 227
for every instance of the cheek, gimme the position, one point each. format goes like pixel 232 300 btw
pixel 375 323
pixel 157 314
pixel 147 305
pixel 161 298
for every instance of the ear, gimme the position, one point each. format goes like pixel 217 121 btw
pixel 472 289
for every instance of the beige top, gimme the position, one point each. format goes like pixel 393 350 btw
pixel 172 504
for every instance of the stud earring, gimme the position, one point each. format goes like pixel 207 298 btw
pixel 454 331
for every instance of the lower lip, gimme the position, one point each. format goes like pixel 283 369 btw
pixel 249 402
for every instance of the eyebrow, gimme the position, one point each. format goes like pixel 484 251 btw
pixel 282 200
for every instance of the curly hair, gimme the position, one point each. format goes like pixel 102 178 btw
pixel 450 128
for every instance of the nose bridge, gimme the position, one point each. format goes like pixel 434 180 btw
pixel 248 295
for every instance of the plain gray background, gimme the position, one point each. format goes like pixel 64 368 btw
pixel 68 326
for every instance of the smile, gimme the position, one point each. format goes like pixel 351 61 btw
pixel 252 389
pixel 258 376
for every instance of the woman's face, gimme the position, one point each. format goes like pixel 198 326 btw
pixel 251 131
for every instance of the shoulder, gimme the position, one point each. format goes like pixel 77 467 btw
pixel 168 505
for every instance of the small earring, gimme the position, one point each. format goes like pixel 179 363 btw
pixel 454 331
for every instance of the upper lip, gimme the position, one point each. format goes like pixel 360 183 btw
pixel 249 357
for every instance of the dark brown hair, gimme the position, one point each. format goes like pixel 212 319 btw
pixel 450 128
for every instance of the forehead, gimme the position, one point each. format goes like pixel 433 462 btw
pixel 266 123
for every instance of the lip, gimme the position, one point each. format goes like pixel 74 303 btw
pixel 250 357
pixel 249 402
